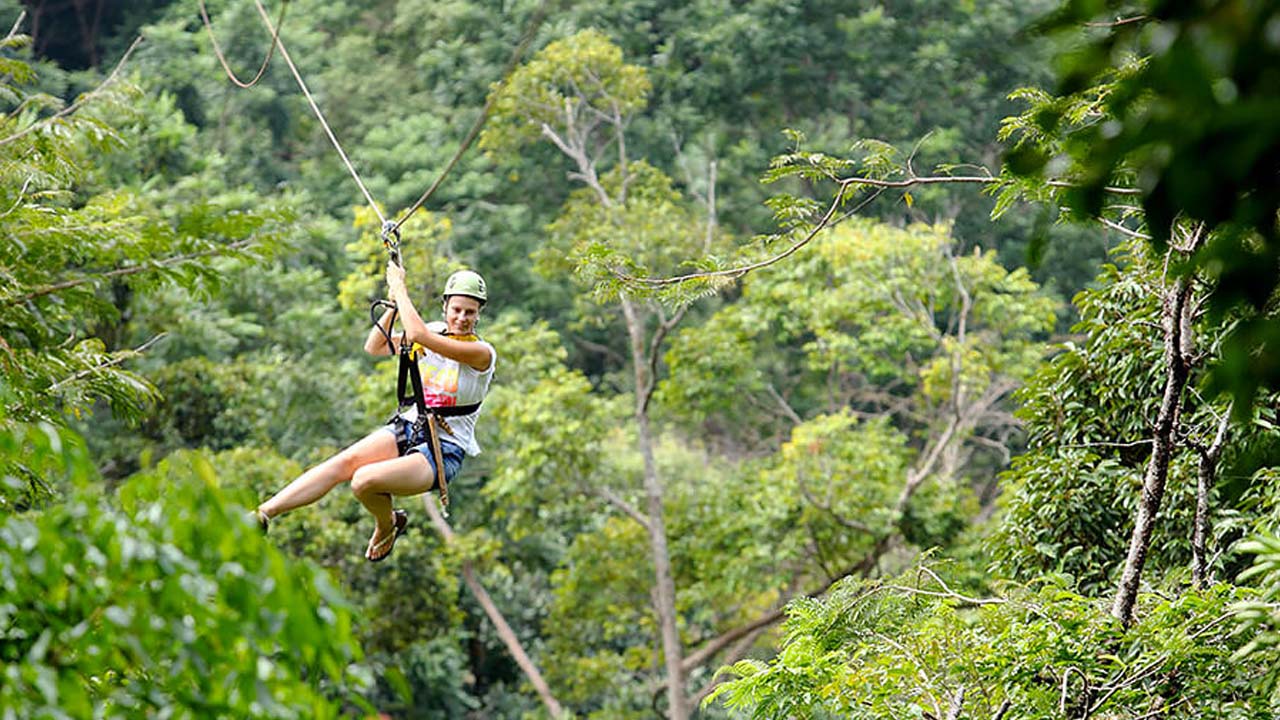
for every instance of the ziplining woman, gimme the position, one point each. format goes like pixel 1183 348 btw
pixel 398 459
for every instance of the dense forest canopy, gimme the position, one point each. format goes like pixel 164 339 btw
pixel 856 359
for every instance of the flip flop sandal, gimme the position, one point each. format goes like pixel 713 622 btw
pixel 263 520
pixel 388 542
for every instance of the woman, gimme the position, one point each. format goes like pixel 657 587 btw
pixel 456 368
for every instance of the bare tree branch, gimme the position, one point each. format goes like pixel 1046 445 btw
pixel 665 326
pixel 1176 372
pixel 124 271
pixel 22 193
pixel 78 103
pixel 16 24
pixel 782 402
pixel 1118 22
pixel 1205 478
pixel 1123 230
pixel 957 704
pixel 616 500
pixel 109 363
pixel 604 350
pixel 739 272
pixel 827 221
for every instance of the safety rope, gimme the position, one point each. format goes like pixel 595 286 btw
pixel 217 50
pixel 535 22
pixel 433 418
pixel 390 229
pixel 284 53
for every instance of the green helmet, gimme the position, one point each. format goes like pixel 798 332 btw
pixel 466 282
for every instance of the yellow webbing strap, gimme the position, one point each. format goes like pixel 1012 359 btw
pixel 442 484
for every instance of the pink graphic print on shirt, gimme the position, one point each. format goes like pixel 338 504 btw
pixel 439 383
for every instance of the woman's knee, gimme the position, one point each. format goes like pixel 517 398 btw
pixel 365 480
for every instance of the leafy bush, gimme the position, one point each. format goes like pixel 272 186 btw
pixel 913 647
pixel 169 604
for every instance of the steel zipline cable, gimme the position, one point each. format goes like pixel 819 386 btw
pixel 217 50
pixel 535 22
pixel 389 229
pixel 284 53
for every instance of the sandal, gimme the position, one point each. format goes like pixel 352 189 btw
pixel 263 519
pixel 389 542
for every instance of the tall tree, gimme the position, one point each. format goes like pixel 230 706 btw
pixel 579 95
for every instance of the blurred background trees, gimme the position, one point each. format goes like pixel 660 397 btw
pixel 920 441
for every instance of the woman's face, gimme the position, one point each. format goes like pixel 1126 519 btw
pixel 461 313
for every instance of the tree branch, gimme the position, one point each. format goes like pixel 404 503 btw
pixel 826 507
pixel 78 103
pixel 826 221
pixel 1123 230
pixel 1205 478
pixel 1118 22
pixel 708 650
pixel 917 476
pixel 616 500
pixel 586 171
pixel 604 350
pixel 739 272
pixel 782 402
pixel 16 24
pixel 735 654
pixel 957 704
pixel 665 326
pixel 109 363
pixel 124 271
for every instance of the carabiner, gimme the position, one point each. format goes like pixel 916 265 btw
pixel 391 240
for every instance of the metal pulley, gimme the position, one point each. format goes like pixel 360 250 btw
pixel 391 240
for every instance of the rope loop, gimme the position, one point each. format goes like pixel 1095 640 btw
pixel 374 307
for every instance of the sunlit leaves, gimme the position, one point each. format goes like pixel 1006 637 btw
pixel 1259 618
pixel 913 646
pixel 571 86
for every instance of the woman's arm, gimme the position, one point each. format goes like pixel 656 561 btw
pixel 376 343
pixel 415 330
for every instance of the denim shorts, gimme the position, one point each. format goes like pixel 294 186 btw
pixel 421 443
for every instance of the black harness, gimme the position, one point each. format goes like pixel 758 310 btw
pixel 429 421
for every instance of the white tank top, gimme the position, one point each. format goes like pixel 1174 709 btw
pixel 448 383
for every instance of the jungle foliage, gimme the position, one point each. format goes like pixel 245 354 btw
pixel 792 416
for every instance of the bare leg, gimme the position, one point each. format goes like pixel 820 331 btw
pixel 319 480
pixel 374 485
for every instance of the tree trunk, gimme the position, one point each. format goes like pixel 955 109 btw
pixel 500 623
pixel 1206 477
pixel 1174 316
pixel 664 584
